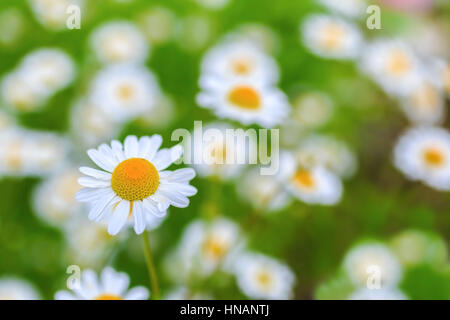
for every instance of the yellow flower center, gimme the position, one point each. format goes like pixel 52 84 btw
pixel 108 296
pixel 398 63
pixel 434 157
pixel 125 92
pixel 214 248
pixel 241 66
pixel 332 36
pixel 264 279
pixel 245 97
pixel 303 178
pixel 135 179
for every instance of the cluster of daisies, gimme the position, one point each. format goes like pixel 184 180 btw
pixel 417 79
pixel 219 246
pixel 374 270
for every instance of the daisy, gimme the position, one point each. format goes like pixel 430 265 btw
pixel 245 101
pixel 315 185
pixel 52 14
pixel 134 182
pixel 119 42
pixel 207 246
pixel 392 64
pixel 326 151
pixel 378 294
pixel 372 260
pixel 125 91
pixel 158 24
pixel 111 285
pixel 48 69
pixel 54 198
pixel 262 277
pixel 350 8
pixel 263 192
pixel 240 59
pixel 423 154
pixel 312 109
pixel 331 37
pixel 219 155
pixel 12 288
pixel 424 104
pixel 194 32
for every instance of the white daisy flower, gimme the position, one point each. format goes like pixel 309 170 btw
pixel 205 247
pixel 240 59
pixel 245 101
pixel 423 154
pixel 119 42
pixel 48 69
pixel 194 32
pixel 134 182
pixel 315 185
pixel 392 64
pixel 157 24
pixel 331 37
pixel 111 285
pixel 312 109
pixel 350 8
pixel 378 294
pixel 52 14
pixel 441 70
pixel 326 151
pixel 54 197
pixel 263 192
pixel 262 277
pixel 90 124
pixel 219 155
pixel 424 104
pixel 125 91
pixel 12 288
pixel 19 94
pixel 372 261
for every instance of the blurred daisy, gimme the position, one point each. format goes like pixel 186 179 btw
pixel 48 70
pixel 12 288
pixel 423 154
pixel 245 101
pixel 218 155
pixel 258 34
pixel 372 261
pixel 240 59
pixel 119 42
pixel 331 37
pixel 424 104
pixel 392 64
pixel 350 8
pixel 125 91
pixel 54 198
pixel 111 285
pixel 13 24
pixel 6 122
pixel 162 115
pixel 157 24
pixel 263 192
pixel 262 277
pixel 441 69
pixel 133 182
pixel 378 294
pixel 52 14
pixel 194 32
pixel 326 151
pixel 206 246
pixel 90 124
pixel 315 185
pixel 312 109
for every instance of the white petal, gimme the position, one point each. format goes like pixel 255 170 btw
pixel 93 183
pixel 118 150
pixel 161 201
pixel 183 188
pixel 180 175
pixel 64 295
pixel 131 147
pixel 176 199
pixel 138 215
pixel 89 194
pixel 166 157
pixel 99 159
pixel 97 210
pixel 137 293
pixel 152 207
pixel 95 173
pixel 119 217
pixel 148 151
pixel 114 282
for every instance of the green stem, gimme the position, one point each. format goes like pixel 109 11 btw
pixel 150 266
